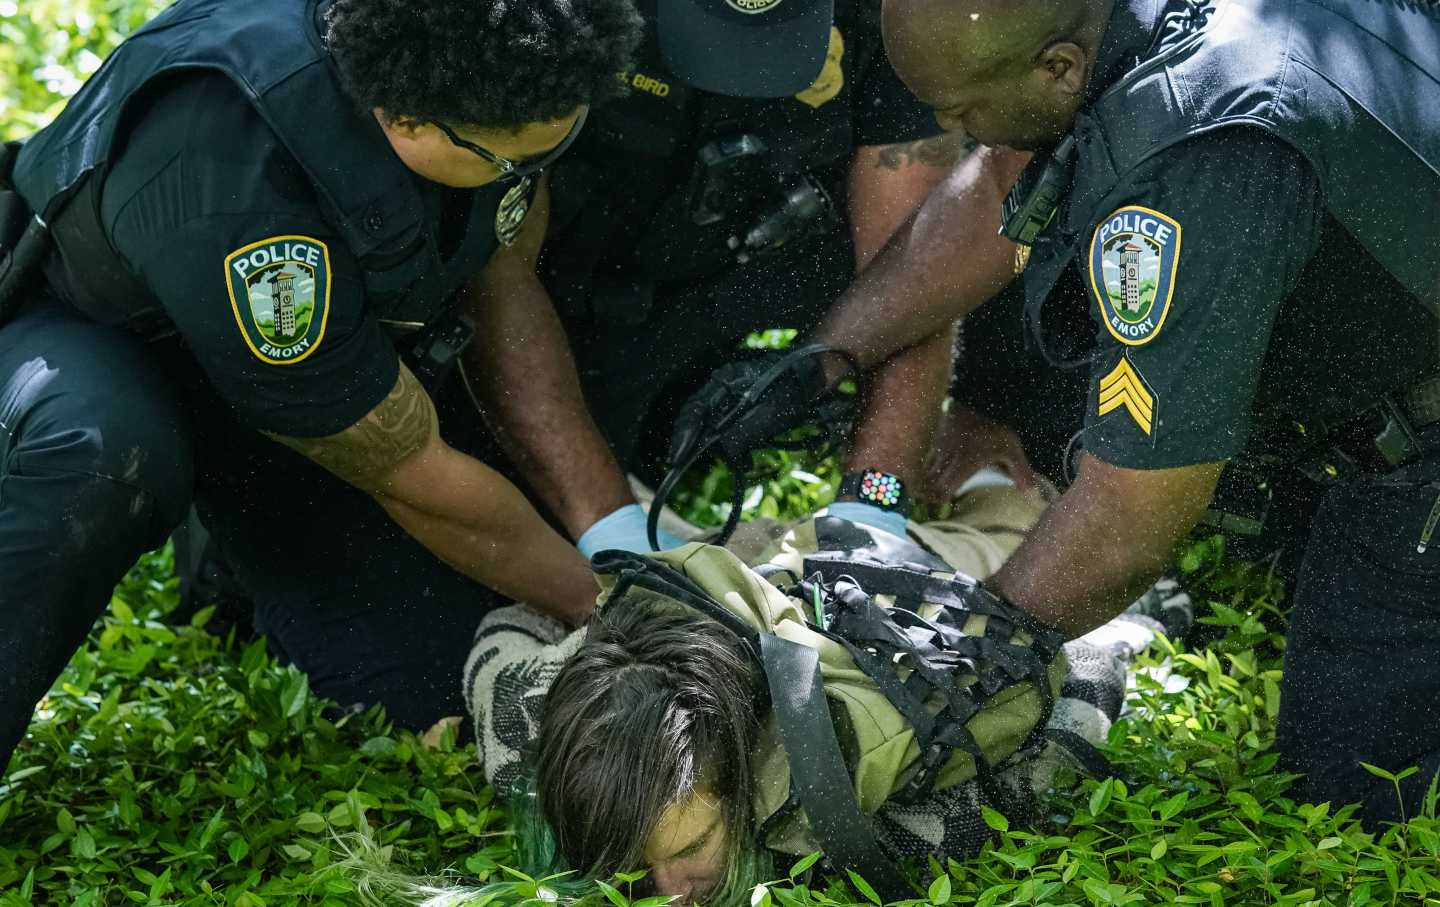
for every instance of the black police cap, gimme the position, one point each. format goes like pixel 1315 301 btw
pixel 747 48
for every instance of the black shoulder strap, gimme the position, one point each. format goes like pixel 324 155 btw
pixel 22 236
pixel 817 769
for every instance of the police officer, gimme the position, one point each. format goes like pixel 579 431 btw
pixel 278 195
pixel 765 153
pixel 1244 252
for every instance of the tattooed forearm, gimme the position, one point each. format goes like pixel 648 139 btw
pixel 363 454
pixel 945 150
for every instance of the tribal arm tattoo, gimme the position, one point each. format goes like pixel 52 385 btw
pixel 944 151
pixel 364 454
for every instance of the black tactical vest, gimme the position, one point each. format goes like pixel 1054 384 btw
pixel 273 52
pixel 1353 85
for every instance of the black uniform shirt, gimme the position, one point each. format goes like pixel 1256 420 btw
pixel 1241 213
pixel 202 203
pixel 624 200
pixel 1219 287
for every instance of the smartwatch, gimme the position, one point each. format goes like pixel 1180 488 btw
pixel 880 489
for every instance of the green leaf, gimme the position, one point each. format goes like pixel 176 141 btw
pixel 65 822
pixel 939 892
pixel 295 694
pixel 1159 849
pixel 760 896
pixel 1174 806
pixel 614 896
pixel 804 863
pixel 311 823
pixel 295 852
pixel 1328 843
pixel 864 888
pixel 379 747
pixel 237 849
pixel 161 886
pixel 1100 797
pixel 84 844
pixel 994 819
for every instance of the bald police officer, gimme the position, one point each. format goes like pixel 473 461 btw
pixel 278 195
pixel 1232 225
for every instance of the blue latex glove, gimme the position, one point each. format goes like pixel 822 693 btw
pixel 623 530
pixel 870 515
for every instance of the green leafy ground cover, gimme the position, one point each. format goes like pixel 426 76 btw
pixel 172 767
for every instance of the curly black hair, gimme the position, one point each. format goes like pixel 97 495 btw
pixel 492 64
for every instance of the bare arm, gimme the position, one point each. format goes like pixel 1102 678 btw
pixel 902 405
pixel 1104 542
pixel 887 183
pixel 522 371
pixel 901 410
pixel 459 508
pixel 945 262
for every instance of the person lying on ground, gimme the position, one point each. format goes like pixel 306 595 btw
pixel 648 739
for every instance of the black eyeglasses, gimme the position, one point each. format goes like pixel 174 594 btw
pixel 514 170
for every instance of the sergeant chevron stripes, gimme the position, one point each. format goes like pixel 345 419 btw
pixel 1125 387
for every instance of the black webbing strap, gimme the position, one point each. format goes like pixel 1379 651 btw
pixel 1085 754
pixel 24 238
pixel 936 590
pixel 817 770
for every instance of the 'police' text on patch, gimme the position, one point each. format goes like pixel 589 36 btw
pixel 1133 259
pixel 280 293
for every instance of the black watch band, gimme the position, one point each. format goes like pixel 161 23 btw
pixel 877 488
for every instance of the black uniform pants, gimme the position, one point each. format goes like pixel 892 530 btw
pixel 1362 662
pixel 99 455
pixel 95 468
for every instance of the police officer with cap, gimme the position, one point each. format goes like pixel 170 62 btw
pixel 250 209
pixel 766 152
pixel 1231 224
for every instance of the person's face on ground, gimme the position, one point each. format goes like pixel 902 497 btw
pixel 984 71
pixel 686 851
pixel 429 152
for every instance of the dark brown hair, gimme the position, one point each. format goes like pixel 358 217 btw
pixel 657 699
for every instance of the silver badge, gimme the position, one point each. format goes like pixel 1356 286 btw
pixel 510 216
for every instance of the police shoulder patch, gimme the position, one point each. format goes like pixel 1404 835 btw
pixel 280 293
pixel 1134 256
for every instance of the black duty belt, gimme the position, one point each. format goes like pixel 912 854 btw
pixel 1379 439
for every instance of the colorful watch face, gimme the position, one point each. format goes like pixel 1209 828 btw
pixel 880 488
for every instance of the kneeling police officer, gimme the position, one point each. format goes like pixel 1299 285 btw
pixel 270 194
pixel 1232 225
pixel 765 154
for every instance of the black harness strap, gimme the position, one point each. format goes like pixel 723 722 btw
pixel 1085 753
pixel 817 769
